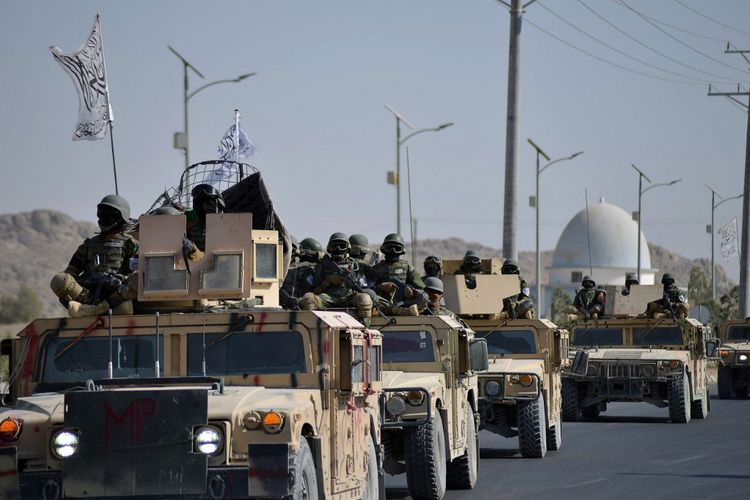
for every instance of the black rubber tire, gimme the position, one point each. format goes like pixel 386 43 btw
pixel 425 455
pixel 741 392
pixel 463 471
pixel 372 485
pixel 571 412
pixel 554 435
pixel 679 399
pixel 726 391
pixel 305 480
pixel 700 406
pixel 592 412
pixel 532 428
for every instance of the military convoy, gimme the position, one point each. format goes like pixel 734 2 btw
pixel 734 359
pixel 635 358
pixel 519 394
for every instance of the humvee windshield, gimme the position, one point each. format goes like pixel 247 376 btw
pixel 739 332
pixel 597 336
pixel 132 356
pixel 662 335
pixel 509 341
pixel 245 353
pixel 407 347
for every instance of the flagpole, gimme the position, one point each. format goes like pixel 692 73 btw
pixel 112 148
pixel 237 134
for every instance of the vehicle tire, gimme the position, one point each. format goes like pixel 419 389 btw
pixel 554 435
pixel 571 411
pixel 592 412
pixel 462 472
pixel 306 482
pixel 700 406
pixel 741 391
pixel 372 484
pixel 425 456
pixel 532 431
pixel 725 382
pixel 679 399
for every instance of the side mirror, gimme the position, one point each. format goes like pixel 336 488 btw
pixel 712 348
pixel 580 362
pixel 479 355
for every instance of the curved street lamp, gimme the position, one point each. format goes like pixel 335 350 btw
pixel 714 195
pixel 535 204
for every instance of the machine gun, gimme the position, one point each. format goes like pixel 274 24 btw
pixel 668 303
pixel 103 284
pixel 328 265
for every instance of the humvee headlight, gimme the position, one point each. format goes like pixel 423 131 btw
pixel 273 422
pixel 672 364
pixel 526 380
pixel 396 406
pixel 415 398
pixel 743 357
pixel 648 371
pixel 252 420
pixel 10 429
pixel 724 354
pixel 492 388
pixel 592 370
pixel 64 443
pixel 514 379
pixel 208 440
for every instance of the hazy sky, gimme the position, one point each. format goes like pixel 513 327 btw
pixel 324 140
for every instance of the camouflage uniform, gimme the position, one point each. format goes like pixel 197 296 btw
pixel 672 296
pixel 298 281
pixel 433 287
pixel 589 301
pixel 521 306
pixel 397 283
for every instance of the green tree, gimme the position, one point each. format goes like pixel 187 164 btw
pixel 22 307
pixel 699 290
pixel 561 302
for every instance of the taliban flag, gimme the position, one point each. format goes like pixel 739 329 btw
pixel 234 146
pixel 86 68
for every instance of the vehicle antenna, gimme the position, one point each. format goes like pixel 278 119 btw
pixel 110 369
pixel 411 217
pixel 588 231
pixel 156 362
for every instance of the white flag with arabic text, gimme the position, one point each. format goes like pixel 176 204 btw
pixel 728 235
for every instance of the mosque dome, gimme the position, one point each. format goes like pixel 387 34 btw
pixel 612 233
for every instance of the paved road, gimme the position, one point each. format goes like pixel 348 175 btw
pixel 631 451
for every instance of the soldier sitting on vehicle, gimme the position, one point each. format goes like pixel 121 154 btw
pixel 300 277
pixel 674 303
pixel 399 286
pixel 630 279
pixel 360 250
pixel 100 275
pixel 338 282
pixel 433 266
pixel 521 306
pixel 435 306
pixel 589 302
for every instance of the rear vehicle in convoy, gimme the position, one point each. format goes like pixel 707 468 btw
pixel 634 358
pixel 520 394
pixel 236 400
pixel 734 359
pixel 430 402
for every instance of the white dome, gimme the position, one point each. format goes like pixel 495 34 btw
pixel 613 240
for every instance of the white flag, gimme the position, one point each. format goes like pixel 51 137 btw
pixel 227 149
pixel 86 69
pixel 728 235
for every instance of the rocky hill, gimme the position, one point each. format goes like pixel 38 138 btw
pixel 37 244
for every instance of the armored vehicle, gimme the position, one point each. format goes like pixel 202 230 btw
pixel 635 358
pixel 520 393
pixel 734 359
pixel 430 402
pixel 214 393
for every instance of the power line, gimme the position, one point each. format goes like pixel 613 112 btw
pixel 712 19
pixel 681 42
pixel 625 68
pixel 651 48
pixel 615 49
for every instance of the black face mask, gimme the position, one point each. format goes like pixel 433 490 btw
pixel 339 257
pixel 108 218
pixel 392 256
pixel 432 270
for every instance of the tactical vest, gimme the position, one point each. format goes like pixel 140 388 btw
pixel 393 271
pixel 585 297
pixel 105 255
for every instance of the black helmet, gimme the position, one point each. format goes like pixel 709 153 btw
pixel 207 192
pixel 471 257
pixel 118 203
pixel 587 279
pixel 631 279
pixel 113 211
pixel 338 243
pixel 359 244
pixel 510 267
pixel 311 245
pixel 434 284
pixel 667 279
pixel 393 244
pixel 433 259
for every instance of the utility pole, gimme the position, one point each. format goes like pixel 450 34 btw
pixel 744 305
pixel 510 215
pixel 712 228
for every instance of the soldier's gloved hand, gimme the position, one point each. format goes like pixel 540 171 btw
pixel 387 288
pixel 408 292
pixel 191 249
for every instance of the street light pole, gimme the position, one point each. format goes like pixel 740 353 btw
pixel 183 142
pixel 539 152
pixel 714 194
pixel 400 118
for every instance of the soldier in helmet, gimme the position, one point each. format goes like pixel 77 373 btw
pixel 472 263
pixel 339 282
pixel 360 247
pixel 674 302
pixel 433 286
pixel 630 279
pixel 206 200
pixel 301 276
pixel 588 302
pixel 396 281
pixel 521 306
pixel 433 266
pixel 100 275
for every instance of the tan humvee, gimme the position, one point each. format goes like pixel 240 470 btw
pixel 520 393
pixel 429 405
pixel 244 402
pixel 734 359
pixel 634 358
